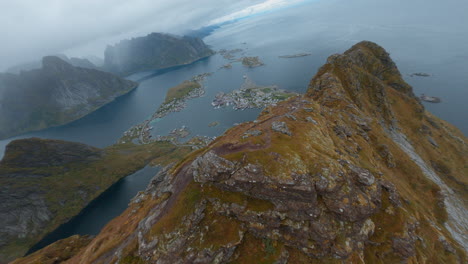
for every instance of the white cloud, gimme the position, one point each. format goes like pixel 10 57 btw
pixel 268 5
pixel 31 29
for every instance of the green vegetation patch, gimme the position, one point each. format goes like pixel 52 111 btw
pixel 68 188
pixel 181 91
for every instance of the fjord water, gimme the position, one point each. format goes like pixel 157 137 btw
pixel 416 34
pixel 98 212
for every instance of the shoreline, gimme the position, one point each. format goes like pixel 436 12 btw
pixel 75 119
pixel 53 235
pixel 141 131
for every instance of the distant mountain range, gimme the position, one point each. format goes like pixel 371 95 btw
pixel 152 52
pixel 55 94
pixel 59 89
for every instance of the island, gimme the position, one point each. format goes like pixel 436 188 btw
pixel 420 74
pixel 251 95
pixel 178 95
pixel 251 62
pixel 229 54
pixel 226 66
pixel 213 124
pixel 175 101
pixel 295 55
pixel 430 99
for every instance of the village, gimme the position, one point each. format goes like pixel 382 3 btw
pixel 251 95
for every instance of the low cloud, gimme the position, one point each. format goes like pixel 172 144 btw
pixel 31 29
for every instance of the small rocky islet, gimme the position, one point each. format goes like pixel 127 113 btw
pixel 430 99
pixel 420 74
pixel 298 55
pixel 251 62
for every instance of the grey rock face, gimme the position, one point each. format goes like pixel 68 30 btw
pixel 22 213
pixel 252 133
pixel 281 127
pixel 311 120
pixel 297 209
pixel 26 208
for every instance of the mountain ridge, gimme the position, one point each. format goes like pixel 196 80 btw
pixel 355 170
pixel 56 94
pixel 152 52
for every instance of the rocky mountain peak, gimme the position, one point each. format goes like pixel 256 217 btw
pixel 152 52
pixel 359 78
pixel 55 64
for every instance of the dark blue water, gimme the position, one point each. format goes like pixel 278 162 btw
pixel 99 212
pixel 417 34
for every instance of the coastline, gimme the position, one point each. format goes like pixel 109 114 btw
pixel 22 133
pixel 165 69
pixel 54 235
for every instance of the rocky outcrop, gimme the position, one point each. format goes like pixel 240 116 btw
pixel 152 52
pixel 56 94
pixel 322 180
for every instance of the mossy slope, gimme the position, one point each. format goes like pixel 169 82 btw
pixel 47 182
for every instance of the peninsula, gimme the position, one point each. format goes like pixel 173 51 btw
pixel 56 94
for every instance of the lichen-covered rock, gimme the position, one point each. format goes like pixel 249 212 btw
pixel 281 127
pixel 252 133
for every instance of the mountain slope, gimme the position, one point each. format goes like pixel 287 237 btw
pixel 44 183
pixel 152 52
pixel 355 170
pixel 56 94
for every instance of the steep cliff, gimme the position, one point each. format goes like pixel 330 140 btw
pixel 354 171
pixel 46 182
pixel 152 52
pixel 56 94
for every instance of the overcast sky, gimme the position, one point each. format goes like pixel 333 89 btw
pixel 31 29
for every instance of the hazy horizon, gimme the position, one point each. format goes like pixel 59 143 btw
pixel 81 28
